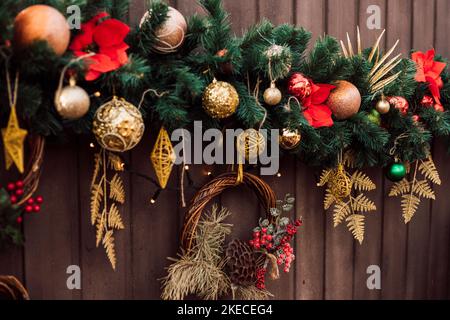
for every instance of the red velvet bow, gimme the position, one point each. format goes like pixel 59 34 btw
pixel 429 70
pixel 317 112
pixel 106 39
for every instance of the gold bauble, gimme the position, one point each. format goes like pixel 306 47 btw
pixel 118 125
pixel 220 99
pixel 383 106
pixel 340 184
pixel 41 22
pixel 72 102
pixel 345 100
pixel 290 139
pixel 272 96
pixel 251 143
pixel 171 34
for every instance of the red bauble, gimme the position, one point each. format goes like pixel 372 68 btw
pixel 427 101
pixel 299 86
pixel 399 103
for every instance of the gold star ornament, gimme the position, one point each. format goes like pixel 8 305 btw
pixel 13 140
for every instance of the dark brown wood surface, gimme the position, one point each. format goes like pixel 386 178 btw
pixel 414 259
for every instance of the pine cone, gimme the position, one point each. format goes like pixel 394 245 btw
pixel 241 264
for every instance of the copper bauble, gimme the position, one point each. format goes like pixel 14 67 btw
pixel 220 99
pixel 118 125
pixel 170 35
pixel 289 139
pixel 72 102
pixel 272 96
pixel 383 106
pixel 41 22
pixel 345 100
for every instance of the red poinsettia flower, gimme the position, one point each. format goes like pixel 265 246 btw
pixel 105 38
pixel 317 113
pixel 429 70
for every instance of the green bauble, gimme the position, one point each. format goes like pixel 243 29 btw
pixel 374 117
pixel 396 172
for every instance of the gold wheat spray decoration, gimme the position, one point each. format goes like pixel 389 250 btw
pixel 106 197
pixel 344 193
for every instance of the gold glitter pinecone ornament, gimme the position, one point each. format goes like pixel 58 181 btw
pixel 220 99
pixel 241 263
pixel 118 125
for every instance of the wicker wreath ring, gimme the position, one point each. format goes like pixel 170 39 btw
pixel 215 187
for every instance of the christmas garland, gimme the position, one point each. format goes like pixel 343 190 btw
pixel 339 106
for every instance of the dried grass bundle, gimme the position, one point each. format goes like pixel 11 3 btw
pixel 250 293
pixel 200 270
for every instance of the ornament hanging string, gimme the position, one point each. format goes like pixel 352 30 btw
pixel 66 67
pixel 159 95
pixel 393 150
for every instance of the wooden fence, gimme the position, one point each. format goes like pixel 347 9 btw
pixel 414 259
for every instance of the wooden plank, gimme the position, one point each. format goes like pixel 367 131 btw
pixel 188 7
pixel 284 12
pixel 370 252
pixel 339 242
pixel 310 244
pixel 441 34
pixel 243 14
pixel 311 15
pixel 399 16
pixel 154 226
pixel 52 235
pixel 99 280
pixel 419 227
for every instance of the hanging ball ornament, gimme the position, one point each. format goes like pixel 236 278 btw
pixel 272 96
pixel 41 23
pixel 374 117
pixel 299 86
pixel 171 34
pixel 290 139
pixel 118 125
pixel 345 100
pixel 251 143
pixel 72 102
pixel 220 99
pixel 396 172
pixel 383 106
pixel 399 103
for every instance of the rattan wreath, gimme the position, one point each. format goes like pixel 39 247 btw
pixel 12 289
pixel 215 187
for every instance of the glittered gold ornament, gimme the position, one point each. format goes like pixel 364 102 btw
pixel 272 96
pixel 340 183
pixel 13 139
pixel 383 106
pixel 251 143
pixel 72 102
pixel 345 100
pixel 163 157
pixel 118 125
pixel 220 99
pixel 290 139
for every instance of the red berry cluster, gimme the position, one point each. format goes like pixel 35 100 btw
pixel 262 240
pixel 261 278
pixel 285 256
pixel 16 191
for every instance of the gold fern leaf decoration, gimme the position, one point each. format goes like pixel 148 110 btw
pixel 105 215
pixel 116 189
pixel 115 162
pixel 413 191
pixel 362 182
pixel 356 225
pixel 344 194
